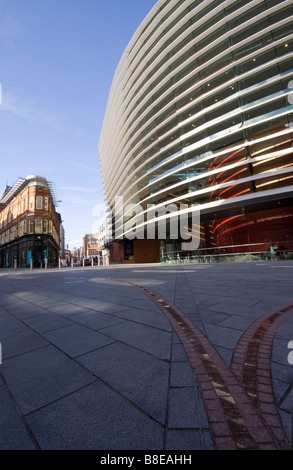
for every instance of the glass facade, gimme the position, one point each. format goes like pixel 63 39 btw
pixel 200 113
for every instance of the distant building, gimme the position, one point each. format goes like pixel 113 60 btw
pixel 62 242
pixel 90 246
pixel 29 224
pixel 67 258
pixel 76 253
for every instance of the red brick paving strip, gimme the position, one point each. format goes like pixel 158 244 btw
pixel 239 401
pixel 251 364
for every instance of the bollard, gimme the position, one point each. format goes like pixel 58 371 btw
pixel 15 264
pixel 46 263
pixel 32 264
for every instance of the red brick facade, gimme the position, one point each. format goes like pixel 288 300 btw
pixel 29 225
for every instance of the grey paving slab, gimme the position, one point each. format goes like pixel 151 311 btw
pixel 225 353
pixel 10 301
pixel 148 339
pixel 280 390
pixel 287 404
pixel 281 351
pixel 263 306
pixel 178 353
pixel 189 440
pixel 8 323
pixel 183 410
pixel 181 374
pixel 48 322
pixel 286 330
pixel 141 378
pixel 212 316
pixel 103 307
pixel 235 309
pixel 205 301
pixel 143 304
pixel 65 308
pixel 13 433
pixel 235 321
pixel 46 303
pixel 42 376
pixel 76 340
pixel 95 320
pixel 96 418
pixel 146 317
pixel 221 336
pixel 282 372
pixel 286 418
pixel 27 310
pixel 20 340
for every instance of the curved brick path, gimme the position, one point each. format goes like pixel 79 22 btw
pixel 239 400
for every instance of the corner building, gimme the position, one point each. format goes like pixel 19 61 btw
pixel 200 113
pixel 29 224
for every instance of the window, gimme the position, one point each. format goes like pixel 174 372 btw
pixel 23 205
pixel 46 204
pixel 32 203
pixel 38 226
pixel 39 202
pixel 245 33
pixel 31 226
pixel 13 232
pixel 45 226
pixel 21 228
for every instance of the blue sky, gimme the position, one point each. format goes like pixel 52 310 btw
pixel 57 62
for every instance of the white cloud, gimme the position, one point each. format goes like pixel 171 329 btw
pixel 30 111
pixel 10 26
pixel 87 167
pixel 79 189
pixel 20 107
pixel 77 201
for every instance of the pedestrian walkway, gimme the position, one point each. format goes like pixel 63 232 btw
pixel 147 357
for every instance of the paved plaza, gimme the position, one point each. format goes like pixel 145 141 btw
pixel 147 357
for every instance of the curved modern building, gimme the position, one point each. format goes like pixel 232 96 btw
pixel 200 115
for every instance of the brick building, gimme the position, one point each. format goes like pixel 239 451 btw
pixel 90 246
pixel 29 224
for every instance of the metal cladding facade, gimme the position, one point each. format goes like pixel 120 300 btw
pixel 200 113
